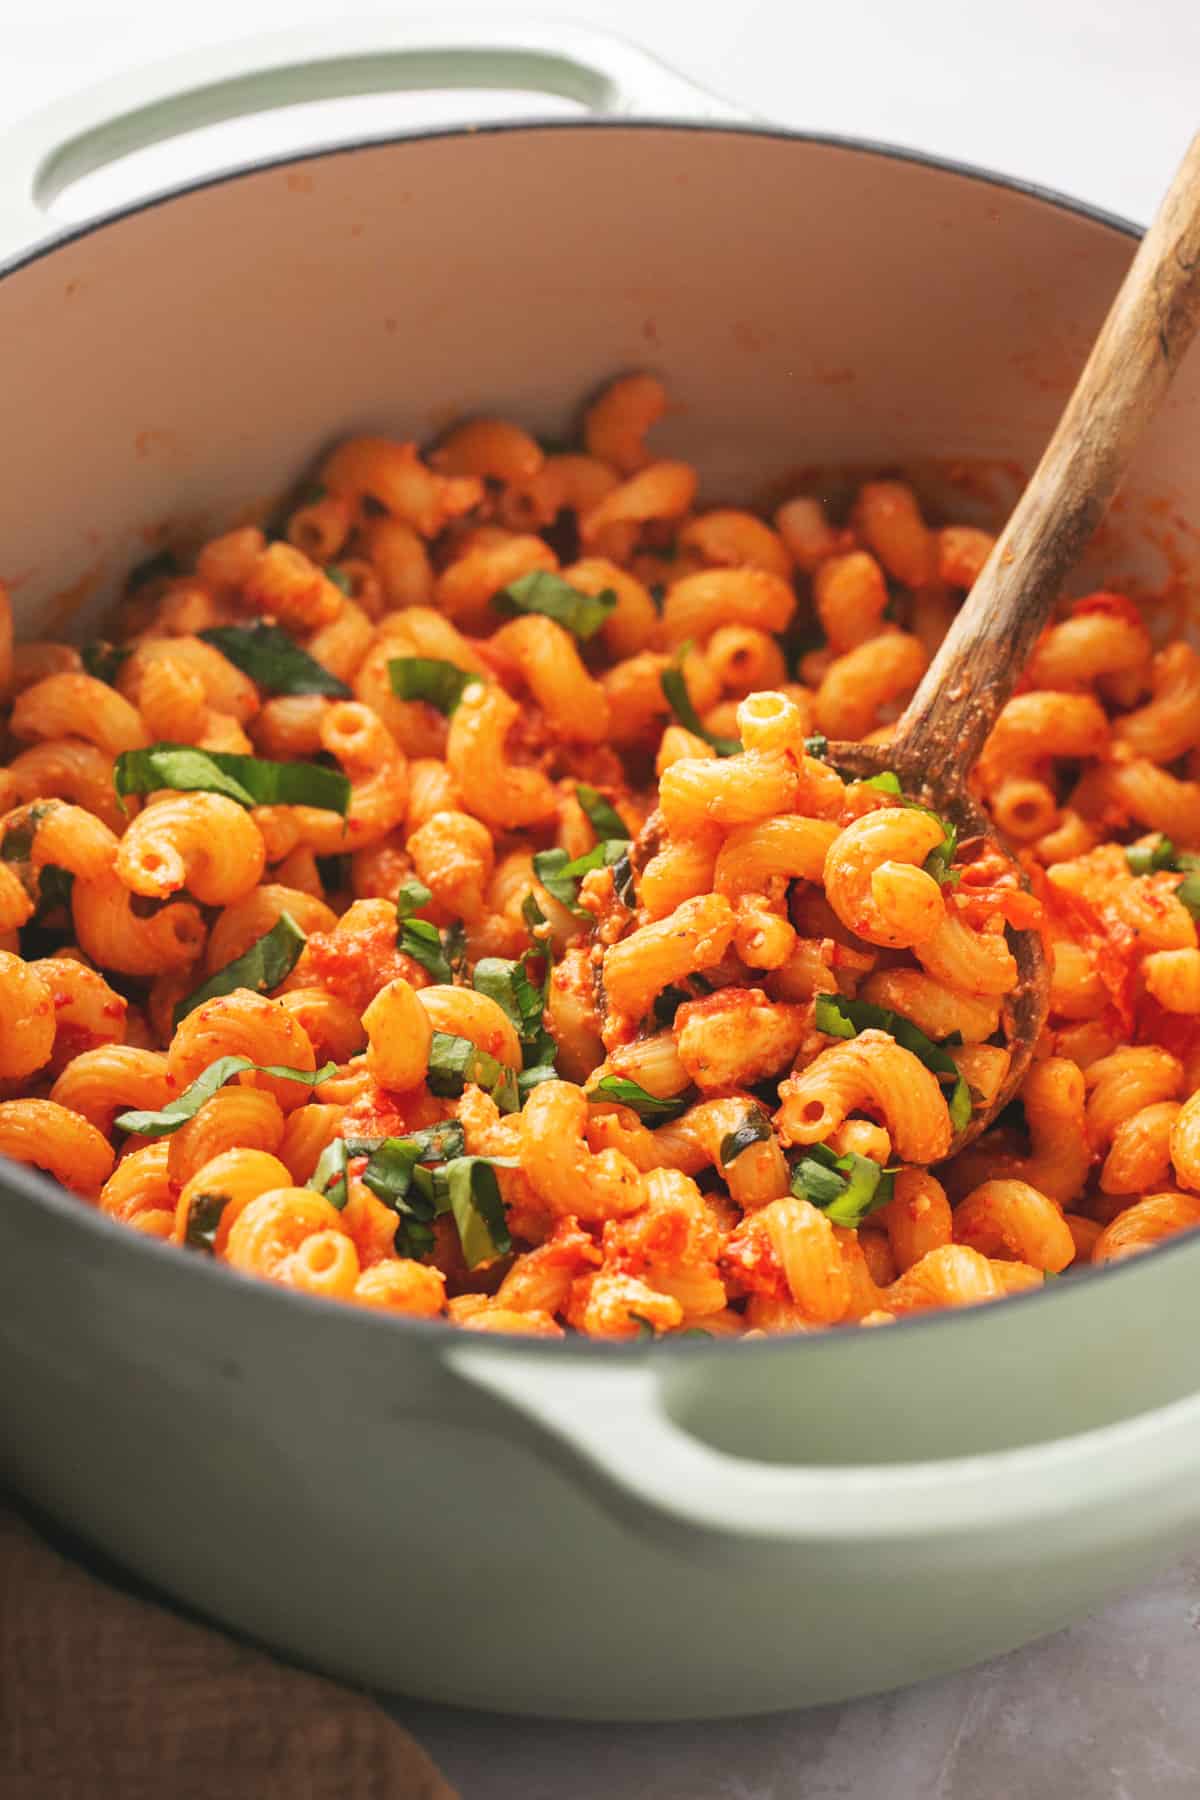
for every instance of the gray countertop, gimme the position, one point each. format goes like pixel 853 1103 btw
pixel 1097 98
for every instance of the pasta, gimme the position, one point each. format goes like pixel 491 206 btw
pixel 442 900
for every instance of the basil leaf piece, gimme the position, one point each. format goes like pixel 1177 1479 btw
pixel 623 883
pixel 648 1107
pixel 938 862
pixel 103 660
pixel 467 1187
pixel 1188 893
pixel 454 1061
pixel 329 1177
pixel 203 1221
pixel 339 578
pixel 269 960
pixel 603 817
pixel 269 657
pixel 544 592
pixel 389 1175
pixel 246 779
pixel 842 1018
pixel 846 1188
pixel 560 874
pixel 755 1128
pixel 55 887
pixel 679 700
pixel 646 1330
pixel 817 745
pixel 411 896
pixel 1148 859
pixel 420 938
pixel 16 846
pixel 428 678
pixel 522 1001
pixel 177 1112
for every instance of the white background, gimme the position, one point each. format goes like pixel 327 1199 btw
pixel 1094 97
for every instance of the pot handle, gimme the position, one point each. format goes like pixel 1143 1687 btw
pixel 43 154
pixel 611 1427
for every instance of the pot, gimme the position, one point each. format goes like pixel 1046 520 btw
pixel 577 1529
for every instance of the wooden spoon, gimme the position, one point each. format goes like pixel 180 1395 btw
pixel 1140 346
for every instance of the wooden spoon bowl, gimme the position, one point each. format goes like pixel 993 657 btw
pixel 937 741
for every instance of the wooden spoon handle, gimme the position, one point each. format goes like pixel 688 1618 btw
pixel 1142 342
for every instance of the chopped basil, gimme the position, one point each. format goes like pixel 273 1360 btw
pixel 560 874
pixel 339 578
pixel 1148 859
pixel 938 862
pixel 419 938
pixel 441 684
pixel 246 779
pixel 203 1221
pixel 679 700
pixel 603 817
pixel 1151 859
pixel 524 1002
pixel 177 1112
pixel 455 1061
pixel 268 961
pixel 269 657
pixel 17 842
pixel 1188 893
pixel 623 882
pixel 544 592
pixel 842 1018
pixel 646 1330
pixel 648 1107
pixel 467 1187
pixel 55 887
pixel 754 1129
pixel 329 1176
pixel 817 745
pixel 389 1175
pixel 102 660
pixel 846 1188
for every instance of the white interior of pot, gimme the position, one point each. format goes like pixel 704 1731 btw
pixel 807 303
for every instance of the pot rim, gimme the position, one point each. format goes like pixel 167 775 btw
pixel 66 234
pixel 40 1192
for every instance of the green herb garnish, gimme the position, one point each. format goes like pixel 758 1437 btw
pixel 817 745
pixel 203 1221
pixel 103 660
pixel 547 593
pixel 603 817
pixel 523 1002
pixel 674 687
pixel 560 875
pixel 648 1107
pixel 455 1061
pixel 329 1176
pixel 429 678
pixel 467 1187
pixel 846 1188
pixel 269 657
pixel 269 960
pixel 842 1018
pixel 247 779
pixel 339 578
pixel 177 1112
pixel 755 1128
pixel 420 938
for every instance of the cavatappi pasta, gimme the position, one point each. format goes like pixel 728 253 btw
pixel 443 901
